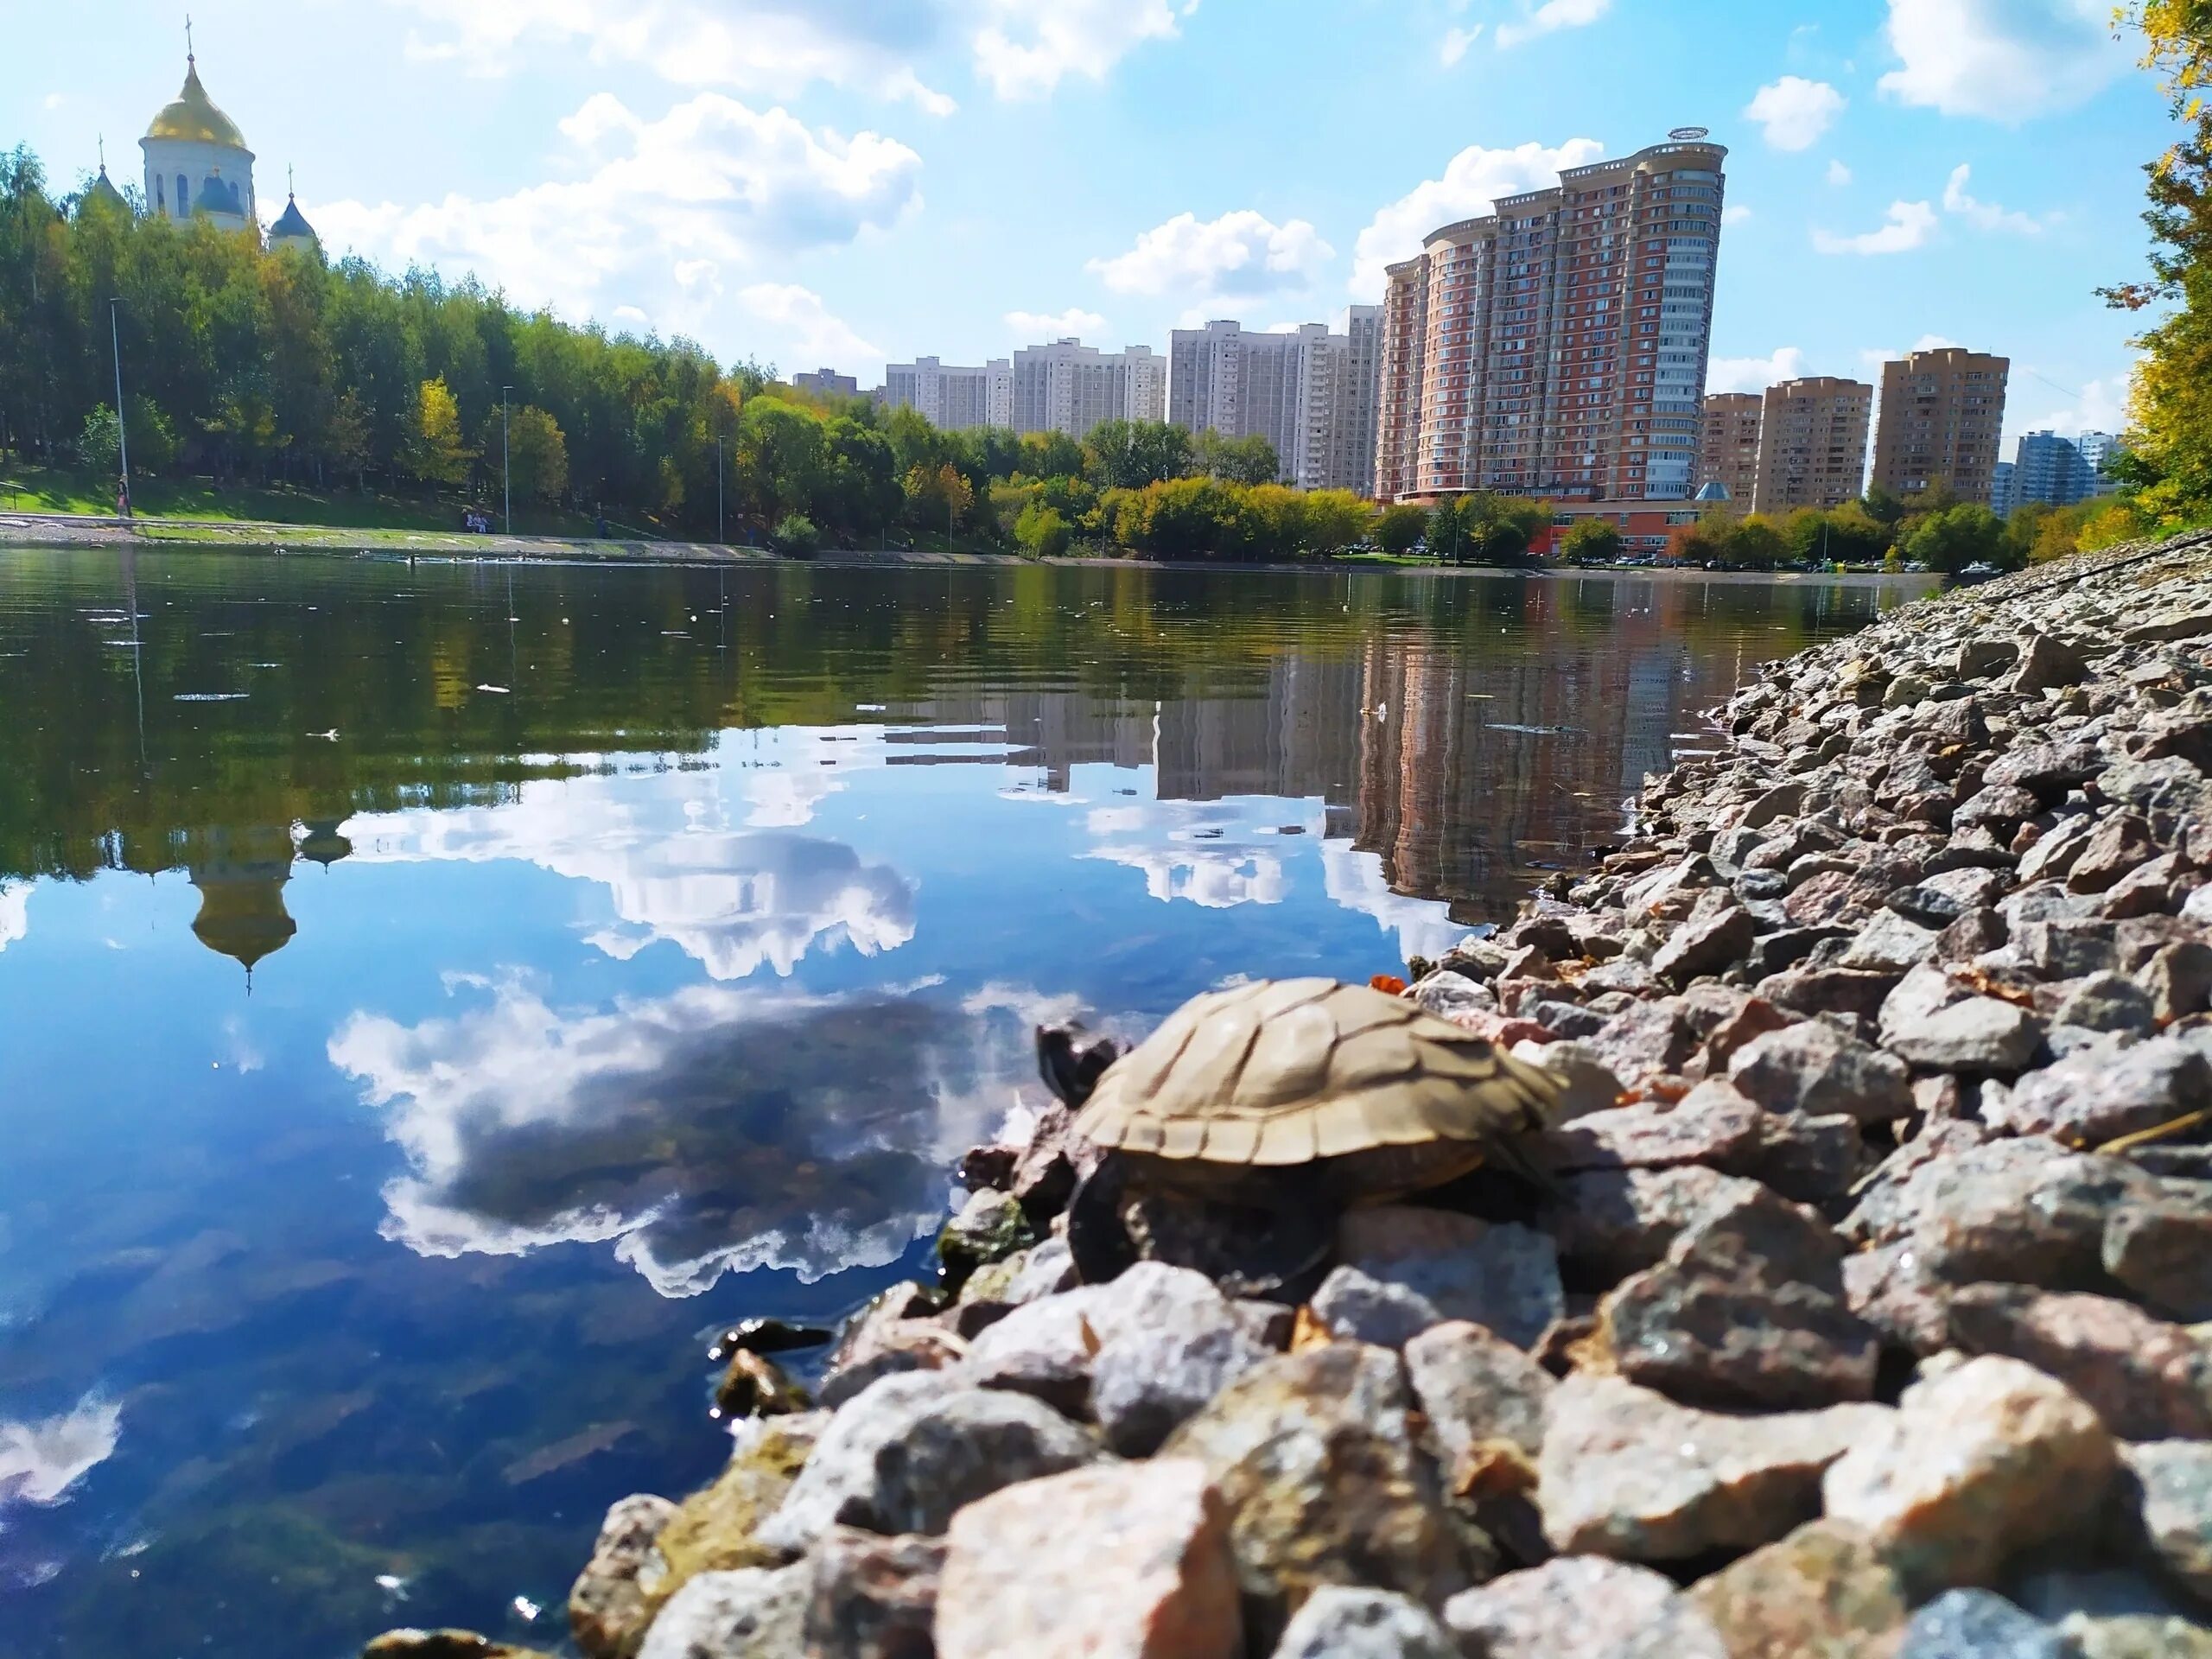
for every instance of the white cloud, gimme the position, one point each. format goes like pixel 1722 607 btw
pixel 1456 42
pixel 1239 255
pixel 1754 374
pixel 1034 327
pixel 1839 175
pixel 1026 48
pixel 2101 407
pixel 54 100
pixel 41 1460
pixel 2006 59
pixel 1933 343
pixel 15 913
pixel 1472 180
pixel 802 328
pixel 1735 213
pixel 1552 14
pixel 660 208
pixel 1987 215
pixel 1908 224
pixel 1794 111
pixel 1355 880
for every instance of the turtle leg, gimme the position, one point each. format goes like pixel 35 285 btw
pixel 1097 1238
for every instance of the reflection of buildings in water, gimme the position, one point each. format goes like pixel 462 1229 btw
pixel 320 841
pixel 240 873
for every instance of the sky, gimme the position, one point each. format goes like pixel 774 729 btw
pixel 834 182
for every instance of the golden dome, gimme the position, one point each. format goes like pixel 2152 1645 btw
pixel 194 117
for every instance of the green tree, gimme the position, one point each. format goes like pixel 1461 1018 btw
pixel 1449 525
pixel 778 461
pixel 1398 527
pixel 1882 507
pixel 537 455
pixel 795 535
pixel 1333 521
pixel 1957 536
pixel 1755 544
pixel 1500 529
pixel 435 452
pixel 153 441
pixel 1050 454
pixel 939 498
pixel 1591 541
pixel 1247 459
pixel 1129 455
pixel 1041 531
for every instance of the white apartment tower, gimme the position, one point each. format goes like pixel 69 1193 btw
pixel 1070 387
pixel 1311 394
pixel 950 396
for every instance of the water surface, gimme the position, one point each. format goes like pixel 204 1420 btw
pixel 432 998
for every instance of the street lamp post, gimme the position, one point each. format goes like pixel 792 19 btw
pixel 121 433
pixel 722 535
pixel 506 475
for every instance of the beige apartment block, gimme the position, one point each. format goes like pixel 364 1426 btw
pixel 1812 444
pixel 1942 413
pixel 1728 453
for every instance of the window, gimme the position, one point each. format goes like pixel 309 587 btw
pixel 184 197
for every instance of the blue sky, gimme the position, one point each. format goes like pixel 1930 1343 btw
pixel 843 181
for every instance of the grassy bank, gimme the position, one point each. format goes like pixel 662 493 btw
pixel 48 489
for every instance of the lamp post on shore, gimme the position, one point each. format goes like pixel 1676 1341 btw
pixel 722 535
pixel 506 475
pixel 121 433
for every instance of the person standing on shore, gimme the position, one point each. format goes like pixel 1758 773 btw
pixel 123 500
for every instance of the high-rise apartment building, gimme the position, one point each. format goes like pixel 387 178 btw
pixel 1942 413
pixel 1812 444
pixel 1397 393
pixel 1070 387
pixel 2055 471
pixel 2003 495
pixel 827 380
pixel 952 396
pixel 2098 449
pixel 1728 449
pixel 1311 394
pixel 1563 337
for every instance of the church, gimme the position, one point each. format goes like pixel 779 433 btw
pixel 198 166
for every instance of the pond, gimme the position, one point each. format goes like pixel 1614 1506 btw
pixel 433 999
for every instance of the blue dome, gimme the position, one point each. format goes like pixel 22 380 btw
pixel 291 223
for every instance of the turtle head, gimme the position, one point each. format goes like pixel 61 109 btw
pixel 1071 1061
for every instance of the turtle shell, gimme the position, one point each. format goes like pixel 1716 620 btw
pixel 1286 1071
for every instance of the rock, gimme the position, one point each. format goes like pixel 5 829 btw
pixel 872 1596
pixel 1981 1035
pixel 2174 1478
pixel 1611 1222
pixel 2159 1248
pixel 1976 931
pixel 755 1386
pixel 1713 1125
pixel 444 1644
pixel 989 1228
pixel 1497 1275
pixel 1814 1068
pixel 1484 1400
pixel 2136 1638
pixel 1337 1622
pixel 1782 801
pixel 2115 847
pixel 1045 1349
pixel 2027 1211
pixel 1999 808
pixel 1891 942
pixel 1979 1463
pixel 1980 657
pixel 1044 1177
pixel 1980 1624
pixel 2065 1592
pixel 1045 1271
pixel 2098 1093
pixel 2147 1379
pixel 2179 979
pixel 1825 1589
pixel 1574 1605
pixel 2048 770
pixel 2066 949
pixel 1648 1041
pixel 1628 1473
pixel 959 1446
pixel 751 1613
pixel 2108 1002
pixel 717 1529
pixel 1122 1561
pixel 2045 664
pixel 1890 1289
pixel 1449 994
pixel 1747 1310
pixel 889 1347
pixel 836 1484
pixel 1313 1455
pixel 607 1611
pixel 1814 991
pixel 1168 1343
pixel 1591 1084
pixel 1353 1305
pixel 1705 945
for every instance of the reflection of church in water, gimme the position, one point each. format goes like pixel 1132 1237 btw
pixel 241 874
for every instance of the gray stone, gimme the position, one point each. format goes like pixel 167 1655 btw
pixel 1044 1349
pixel 2109 1003
pixel 754 1612
pixel 1168 1343
pixel 1891 942
pixel 1980 1624
pixel 1448 994
pixel 889 1347
pixel 959 1447
pixel 1363 1309
pixel 1625 1472
pixel 1889 1289
pixel 1497 1275
pixel 2068 1593
pixel 1980 656
pixel 1999 808
pixel 2137 1638
pixel 1814 1068
pixel 1340 1621
pixel 1813 991
pixel 608 1608
pixel 2053 852
pixel 2049 770
pixel 1574 1605
pixel 872 1596
pixel 1611 1222
pixel 1825 1589
pixel 2098 1095
pixel 2174 1478
pixel 2160 1248
pixel 1045 1271
pixel 1705 945
pixel 989 1228
pixel 1977 1463
pixel 839 1479
pixel 2179 979
pixel 2046 663
pixel 2115 847
pixel 1484 1399
pixel 1981 1034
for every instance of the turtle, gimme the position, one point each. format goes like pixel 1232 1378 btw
pixel 1290 1100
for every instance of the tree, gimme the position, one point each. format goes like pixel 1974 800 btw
pixel 537 455
pixel 1398 527
pixel 795 536
pixel 1333 520
pixel 434 454
pixel 1882 507
pixel 1129 455
pixel 1041 531
pixel 1957 536
pixel 1754 544
pixel 778 464
pixel 153 441
pixel 1247 459
pixel 1593 540
pixel 939 498
pixel 1500 528
pixel 1050 454
pixel 1448 528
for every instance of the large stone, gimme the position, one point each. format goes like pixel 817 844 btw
pixel 1358 1308
pixel 2109 1003
pixel 2147 1379
pixel 1121 1562
pixel 1610 1223
pixel 961 1446
pixel 1168 1342
pixel 2115 847
pixel 1979 1463
pixel 717 1529
pixel 2161 1249
pixel 1891 942
pixel 1815 1068
pixel 1497 1275
pixel 1341 1623
pixel 1747 1310
pixel 1483 1399
pixel 1315 1458
pixel 2049 770
pixel 1705 945
pixel 1889 1289
pixel 2098 1093
pixel 607 1609
pixel 1574 1605
pixel 1980 1624
pixel 2136 1638
pixel 837 1483
pixel 1627 1473
pixel 1981 1034
pixel 1044 1349
pixel 1825 1589
pixel 990 1227
pixel 2046 664
pixel 872 1596
pixel 754 1612
pixel 2174 1478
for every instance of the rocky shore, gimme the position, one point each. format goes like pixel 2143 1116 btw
pixel 1870 1314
